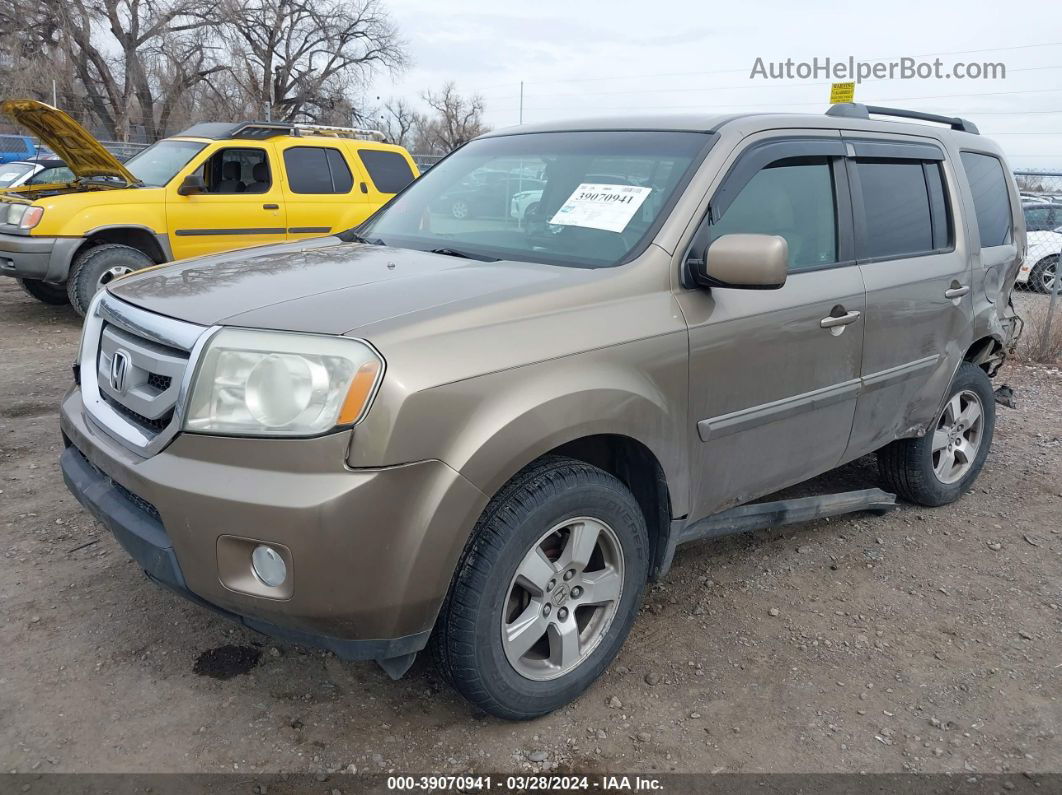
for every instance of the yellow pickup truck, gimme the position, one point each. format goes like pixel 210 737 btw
pixel 214 187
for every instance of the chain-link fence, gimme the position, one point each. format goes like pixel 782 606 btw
pixel 1041 198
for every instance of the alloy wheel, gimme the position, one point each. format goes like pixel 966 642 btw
pixel 957 437
pixel 562 599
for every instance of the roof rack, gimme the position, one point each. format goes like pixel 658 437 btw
pixel 271 129
pixel 854 110
pixel 341 132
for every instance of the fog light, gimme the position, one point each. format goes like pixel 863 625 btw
pixel 268 566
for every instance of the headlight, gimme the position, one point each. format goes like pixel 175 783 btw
pixel 274 383
pixel 15 213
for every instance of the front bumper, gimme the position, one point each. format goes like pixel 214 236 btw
pixel 45 258
pixel 372 552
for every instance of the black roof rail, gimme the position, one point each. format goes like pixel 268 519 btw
pixel 854 110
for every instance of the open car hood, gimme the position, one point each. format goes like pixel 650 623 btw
pixel 85 156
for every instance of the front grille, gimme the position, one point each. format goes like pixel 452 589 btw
pixel 133 363
pixel 155 426
pixel 160 382
pixel 139 377
pixel 138 502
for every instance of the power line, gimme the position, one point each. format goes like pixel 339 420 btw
pixel 804 104
pixel 741 87
pixel 746 69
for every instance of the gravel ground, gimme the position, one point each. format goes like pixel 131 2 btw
pixel 928 639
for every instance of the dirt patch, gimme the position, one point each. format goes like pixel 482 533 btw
pixel 924 640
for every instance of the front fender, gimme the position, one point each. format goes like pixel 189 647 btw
pixel 491 426
pixel 77 214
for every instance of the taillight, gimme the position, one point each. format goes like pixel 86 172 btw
pixel 31 217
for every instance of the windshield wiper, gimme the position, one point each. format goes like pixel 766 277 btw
pixel 350 236
pixel 453 252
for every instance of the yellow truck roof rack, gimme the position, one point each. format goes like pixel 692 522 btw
pixel 261 130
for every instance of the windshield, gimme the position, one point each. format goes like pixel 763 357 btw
pixel 160 162
pixel 10 173
pixel 590 199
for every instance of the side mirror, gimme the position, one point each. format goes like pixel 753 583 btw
pixel 750 262
pixel 192 184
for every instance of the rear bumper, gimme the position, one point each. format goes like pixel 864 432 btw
pixel 45 258
pixel 143 537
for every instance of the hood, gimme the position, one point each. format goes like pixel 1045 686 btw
pixel 85 156
pixel 327 286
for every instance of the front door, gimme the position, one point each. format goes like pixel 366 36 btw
pixel 774 374
pixel 243 204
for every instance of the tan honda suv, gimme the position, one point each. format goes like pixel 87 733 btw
pixel 486 434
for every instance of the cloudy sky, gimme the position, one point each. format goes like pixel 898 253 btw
pixel 595 57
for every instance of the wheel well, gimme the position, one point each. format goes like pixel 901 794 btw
pixel 140 239
pixel 636 466
pixel 987 353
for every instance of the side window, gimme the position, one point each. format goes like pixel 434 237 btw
pixel 342 179
pixel 898 220
pixel 47 176
pixel 317 169
pixel 988 184
pixel 1037 219
pixel 793 198
pixel 389 171
pixel 236 170
pixel 938 206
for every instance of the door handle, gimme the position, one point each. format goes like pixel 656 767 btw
pixel 841 320
pixel 270 206
pixel 957 292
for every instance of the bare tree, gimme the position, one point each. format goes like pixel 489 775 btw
pixel 400 122
pixel 155 38
pixel 456 120
pixel 301 58
pixel 31 60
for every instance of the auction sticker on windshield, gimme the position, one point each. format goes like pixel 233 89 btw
pixel 607 207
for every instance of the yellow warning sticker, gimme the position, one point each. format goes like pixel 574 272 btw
pixel 842 92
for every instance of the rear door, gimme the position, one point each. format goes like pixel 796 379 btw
pixel 774 374
pixel 321 184
pixel 243 204
pixel 916 268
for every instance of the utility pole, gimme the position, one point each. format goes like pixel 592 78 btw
pixel 521 101
pixel 55 96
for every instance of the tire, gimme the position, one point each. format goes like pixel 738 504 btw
pixel 530 212
pixel 95 267
pixel 53 294
pixel 468 645
pixel 1041 279
pixel 914 471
